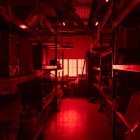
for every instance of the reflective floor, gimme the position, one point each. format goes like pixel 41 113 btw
pixel 77 120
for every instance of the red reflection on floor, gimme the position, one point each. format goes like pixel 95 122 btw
pixel 77 120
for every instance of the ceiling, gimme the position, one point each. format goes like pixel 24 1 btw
pixel 43 18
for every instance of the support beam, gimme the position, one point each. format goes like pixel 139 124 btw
pixel 102 23
pixel 92 11
pixel 106 17
pixel 126 11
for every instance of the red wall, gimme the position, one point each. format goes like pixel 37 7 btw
pixel 80 43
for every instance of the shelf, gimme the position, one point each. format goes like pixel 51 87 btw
pixel 18 80
pixel 47 100
pixel 133 68
pixel 50 67
pixel 126 11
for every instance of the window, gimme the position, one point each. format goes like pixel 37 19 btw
pixel 72 67
pixel 65 67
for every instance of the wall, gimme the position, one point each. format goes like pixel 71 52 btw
pixel 80 43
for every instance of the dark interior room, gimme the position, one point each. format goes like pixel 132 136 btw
pixel 69 69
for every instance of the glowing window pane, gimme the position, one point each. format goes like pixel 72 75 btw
pixel 80 66
pixel 79 70
pixel 72 67
pixel 70 71
pixel 70 63
pixel 74 72
pixel 74 63
pixel 65 67
pixel 79 62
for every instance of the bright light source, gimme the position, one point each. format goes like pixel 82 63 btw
pixel 106 0
pixel 23 26
pixel 64 24
pixel 96 23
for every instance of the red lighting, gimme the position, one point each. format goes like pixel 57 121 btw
pixel 106 0
pixel 64 24
pixel 23 26
pixel 96 23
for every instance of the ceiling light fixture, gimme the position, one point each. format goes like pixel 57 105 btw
pixel 96 23
pixel 106 0
pixel 23 26
pixel 64 24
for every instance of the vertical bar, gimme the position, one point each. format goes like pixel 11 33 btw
pixel 114 125
pixel 100 97
pixel 62 70
pixel 113 81
pixel 55 58
pixel 77 67
pixel 68 67
pixel 83 67
pixel 113 92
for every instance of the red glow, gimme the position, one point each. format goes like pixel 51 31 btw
pixel 96 23
pixel 69 120
pixel 23 26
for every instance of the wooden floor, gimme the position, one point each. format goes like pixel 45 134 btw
pixel 77 120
